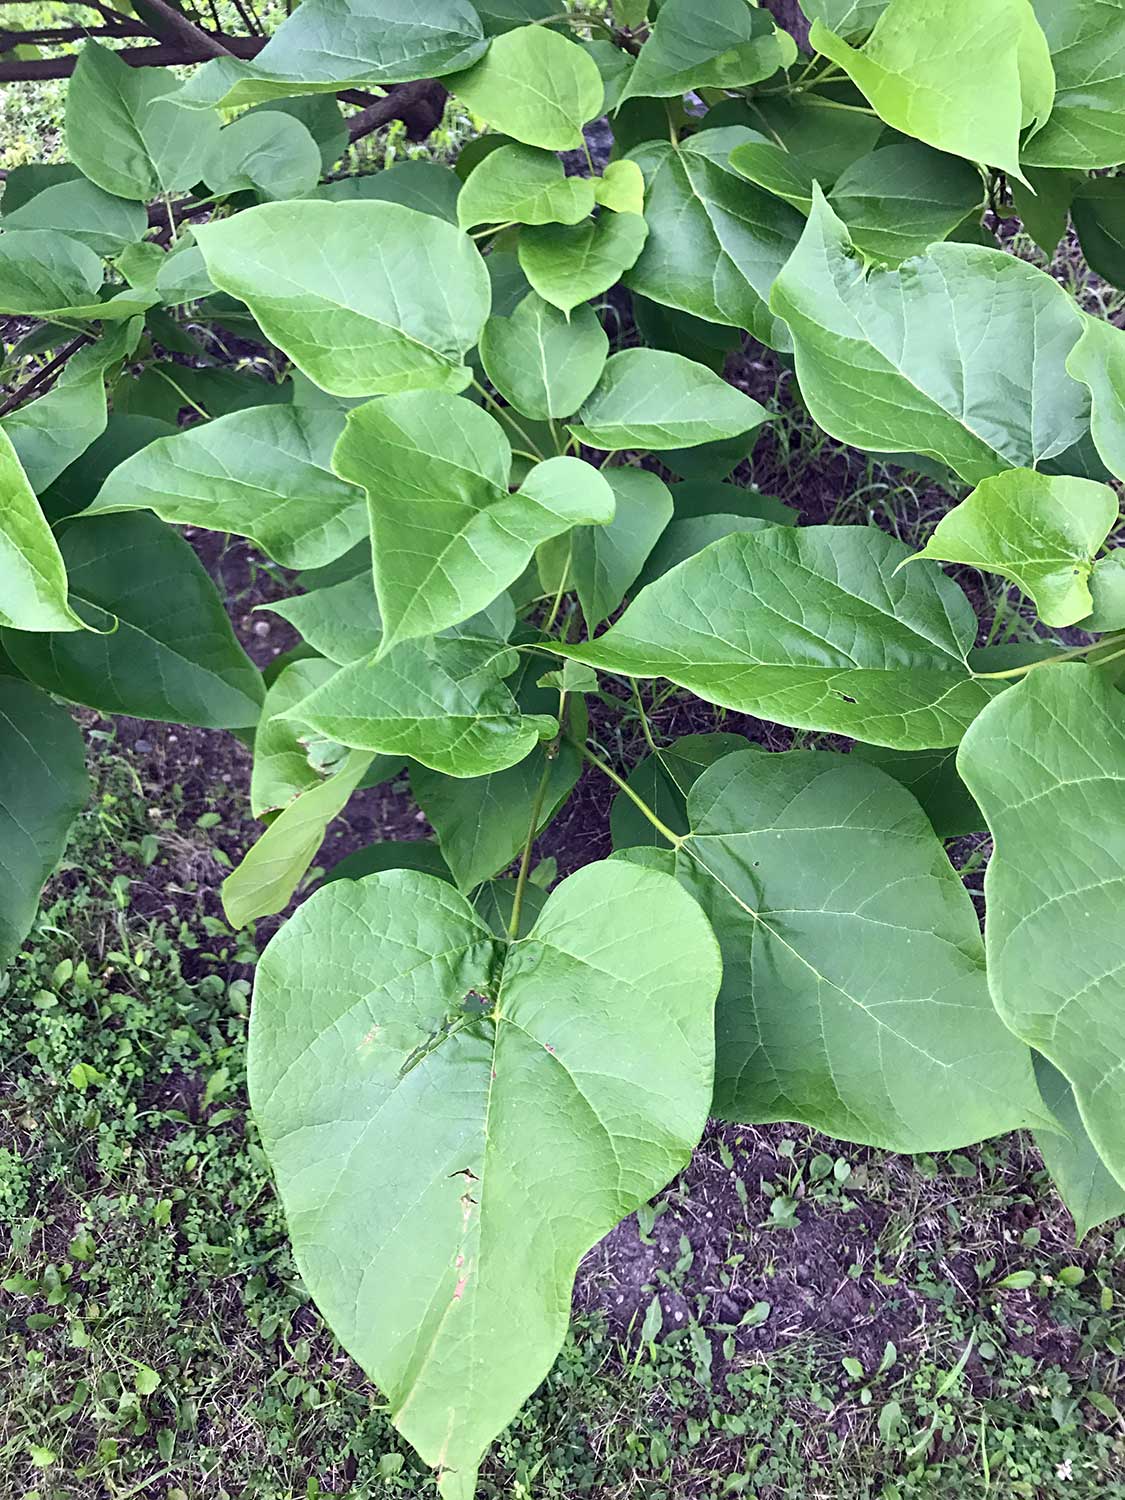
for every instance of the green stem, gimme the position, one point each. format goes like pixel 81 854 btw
pixel 675 839
pixel 639 701
pixel 557 605
pixel 525 859
pixel 1049 661
pixel 505 415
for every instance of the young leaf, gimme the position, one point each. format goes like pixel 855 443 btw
pixel 1046 762
pixel 80 209
pixel 391 301
pixel 542 362
pixel 919 375
pixel 263 473
pixel 663 781
pixel 33 583
pixel 522 185
pixel 948 74
pixel 715 243
pixel 43 788
pixel 1089 1191
pixel 272 869
pixel 458 1229
pixel 482 823
pixel 282 769
pixel 442 702
pixel 854 995
pixel 1098 361
pixel 535 86
pixel 648 398
pixel 621 188
pixel 448 536
pixel 569 264
pixel 1040 533
pixel 323 46
pixel 127 130
pixel 813 627
pixel 1086 128
pixel 603 562
pixel 267 152
pixel 725 45
pixel 166 648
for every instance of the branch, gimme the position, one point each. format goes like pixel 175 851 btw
pixel 419 105
pixel 164 55
pixel 174 24
pixel 33 385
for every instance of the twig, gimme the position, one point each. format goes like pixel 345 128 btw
pixel 34 384
pixel 163 55
pixel 176 25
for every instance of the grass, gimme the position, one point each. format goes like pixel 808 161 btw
pixel 159 1342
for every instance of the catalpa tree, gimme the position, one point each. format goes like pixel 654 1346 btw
pixel 463 1082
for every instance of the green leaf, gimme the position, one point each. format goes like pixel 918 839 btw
pixel 1044 205
pixel 182 275
pixel 812 627
pixel 902 198
pixel 948 74
pixel 846 18
pixel 725 45
pixel 931 776
pixel 503 15
pixel 621 188
pixel 341 621
pixel 563 1121
pixel 282 767
pixel 267 152
pixel 824 137
pixel 603 562
pixel 1040 533
pixel 82 210
pixel 1107 586
pixel 272 869
pixel 397 854
pixel 442 702
pixel 421 185
pixel 78 484
pixel 569 264
pixel 1098 361
pixel 1098 211
pixel 482 823
pixel 1089 1191
pixel 43 788
pixel 893 361
pixel 495 902
pixel 1086 128
pixel 542 362
pixel 127 130
pixel 263 473
pixel 709 462
pixel 854 995
pixel 663 781
pixel 33 583
pixel 535 86
pixel 772 167
pixel 1046 762
pixel 685 538
pixel 648 398
pixel 392 301
pixel 326 45
pixel 53 431
pixel 715 242
pixel 705 497
pixel 171 655
pixel 448 537
pixel 44 273
pixel 522 185
pixel 322 118
pixel 26 182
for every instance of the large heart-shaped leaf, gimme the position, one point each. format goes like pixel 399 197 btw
pixel 327 45
pixel 365 297
pixel 264 473
pixel 448 536
pixel 541 361
pixel 854 994
pixel 536 86
pixel 1040 532
pixel 715 242
pixel 897 361
pixel 725 45
pixel 162 646
pixel 43 788
pixel 810 626
pixel 1086 128
pixel 1046 762
pixel 33 585
pixel 451 1133
pixel 648 398
pixel 128 132
pixel 961 75
pixel 442 702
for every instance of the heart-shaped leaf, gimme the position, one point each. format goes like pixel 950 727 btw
pixel 725 45
pixel 542 362
pixel 536 86
pixel 522 185
pixel 569 264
